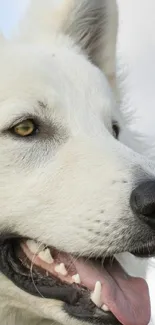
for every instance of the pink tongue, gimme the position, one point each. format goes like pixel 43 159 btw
pixel 127 297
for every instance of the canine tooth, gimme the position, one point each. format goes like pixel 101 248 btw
pixel 46 256
pixel 47 273
pixel 76 278
pixel 96 294
pixel 34 247
pixel 105 308
pixel 60 268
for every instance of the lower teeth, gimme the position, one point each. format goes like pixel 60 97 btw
pixel 60 268
pixel 44 254
pixel 96 295
pixel 105 308
pixel 76 278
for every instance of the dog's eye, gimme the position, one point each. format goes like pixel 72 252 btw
pixel 25 128
pixel 116 130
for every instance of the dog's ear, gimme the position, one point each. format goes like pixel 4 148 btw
pixel 91 24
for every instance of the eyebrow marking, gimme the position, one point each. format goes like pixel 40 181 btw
pixel 42 104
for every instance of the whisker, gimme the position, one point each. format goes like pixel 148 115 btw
pixel 31 270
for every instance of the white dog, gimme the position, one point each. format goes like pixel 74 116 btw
pixel 71 195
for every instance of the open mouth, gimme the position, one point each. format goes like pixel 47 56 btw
pixel 91 289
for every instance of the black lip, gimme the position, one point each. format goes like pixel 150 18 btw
pixel 76 300
pixel 84 310
pixel 48 287
pixel 145 251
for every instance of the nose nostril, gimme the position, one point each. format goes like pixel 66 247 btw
pixel 142 200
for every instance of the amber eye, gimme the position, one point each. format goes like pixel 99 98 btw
pixel 25 128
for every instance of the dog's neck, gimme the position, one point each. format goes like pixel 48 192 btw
pixel 15 316
pixel 13 311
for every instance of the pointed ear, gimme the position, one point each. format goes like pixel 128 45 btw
pixel 43 18
pixel 93 26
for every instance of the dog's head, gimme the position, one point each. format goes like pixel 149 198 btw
pixel 68 188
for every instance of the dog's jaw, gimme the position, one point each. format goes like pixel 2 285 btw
pixel 78 300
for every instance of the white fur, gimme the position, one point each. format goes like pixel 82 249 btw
pixel 72 188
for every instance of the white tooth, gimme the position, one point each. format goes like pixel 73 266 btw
pixel 96 294
pixel 76 278
pixel 60 268
pixel 46 256
pixel 47 274
pixel 34 247
pixel 105 308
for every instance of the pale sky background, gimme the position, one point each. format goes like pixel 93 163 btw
pixel 10 13
pixel 136 48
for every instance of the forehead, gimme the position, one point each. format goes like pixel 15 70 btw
pixel 59 76
pixel 37 64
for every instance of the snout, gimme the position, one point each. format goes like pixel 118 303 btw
pixel 142 202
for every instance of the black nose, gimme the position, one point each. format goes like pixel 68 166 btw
pixel 142 202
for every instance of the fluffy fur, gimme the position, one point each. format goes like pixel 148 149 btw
pixel 70 187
